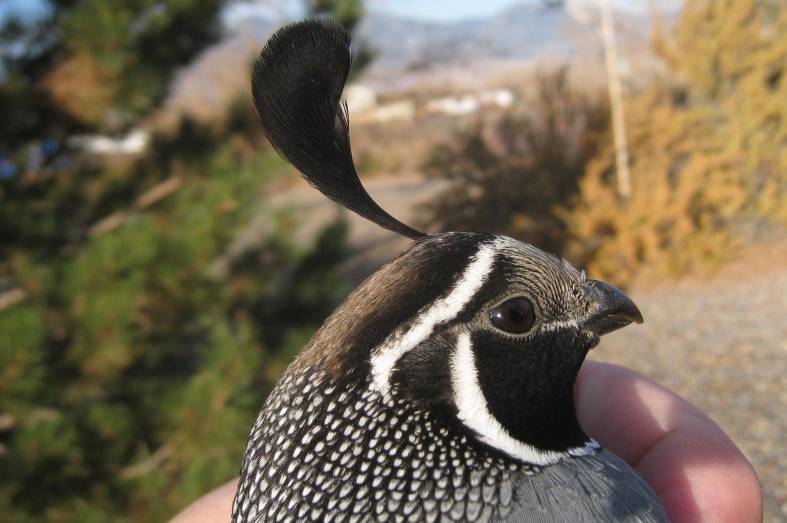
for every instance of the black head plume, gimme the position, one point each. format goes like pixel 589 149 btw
pixel 297 85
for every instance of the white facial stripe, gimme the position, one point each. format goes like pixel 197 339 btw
pixel 557 325
pixel 474 413
pixel 384 358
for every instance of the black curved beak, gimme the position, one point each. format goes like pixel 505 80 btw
pixel 610 309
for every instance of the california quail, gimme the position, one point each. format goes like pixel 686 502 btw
pixel 442 388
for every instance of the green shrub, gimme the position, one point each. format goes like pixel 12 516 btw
pixel 131 377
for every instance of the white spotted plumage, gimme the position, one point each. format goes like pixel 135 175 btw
pixel 361 466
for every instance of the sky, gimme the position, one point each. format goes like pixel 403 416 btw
pixel 426 10
pixel 453 10
pixel 441 10
pixel 23 8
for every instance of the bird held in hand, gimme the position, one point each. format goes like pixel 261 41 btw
pixel 443 387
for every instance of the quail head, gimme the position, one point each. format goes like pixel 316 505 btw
pixel 442 388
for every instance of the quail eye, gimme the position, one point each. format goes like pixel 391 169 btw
pixel 515 316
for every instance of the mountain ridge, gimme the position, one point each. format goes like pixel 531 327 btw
pixel 410 53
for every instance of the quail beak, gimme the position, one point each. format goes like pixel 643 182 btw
pixel 610 309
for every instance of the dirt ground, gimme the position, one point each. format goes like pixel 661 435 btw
pixel 721 342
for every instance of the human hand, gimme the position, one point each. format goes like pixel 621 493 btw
pixel 695 469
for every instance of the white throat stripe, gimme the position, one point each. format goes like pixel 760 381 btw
pixel 474 413
pixel 384 358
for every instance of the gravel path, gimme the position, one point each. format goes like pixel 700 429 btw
pixel 722 345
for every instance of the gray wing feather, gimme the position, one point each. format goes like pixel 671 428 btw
pixel 597 488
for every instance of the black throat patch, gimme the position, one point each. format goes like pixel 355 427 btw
pixel 529 387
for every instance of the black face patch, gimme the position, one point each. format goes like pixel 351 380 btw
pixel 423 376
pixel 529 385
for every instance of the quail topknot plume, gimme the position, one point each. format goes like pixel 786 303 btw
pixel 442 388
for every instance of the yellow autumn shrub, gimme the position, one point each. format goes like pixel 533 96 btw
pixel 708 150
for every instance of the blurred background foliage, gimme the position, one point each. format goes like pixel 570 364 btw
pixel 133 369
pixel 516 172
pixel 707 142
pixel 709 150
pixel 97 65
pixel 136 341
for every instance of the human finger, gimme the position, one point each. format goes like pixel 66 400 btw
pixel 693 466
pixel 213 507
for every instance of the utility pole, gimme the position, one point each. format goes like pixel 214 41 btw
pixel 615 99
